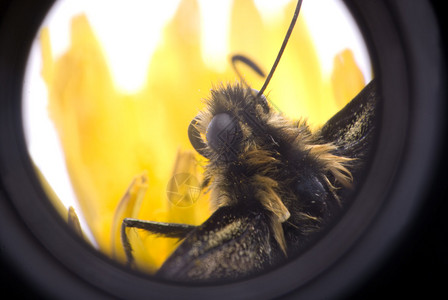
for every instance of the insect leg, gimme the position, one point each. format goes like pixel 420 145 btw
pixel 172 230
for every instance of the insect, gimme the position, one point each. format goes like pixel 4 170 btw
pixel 274 182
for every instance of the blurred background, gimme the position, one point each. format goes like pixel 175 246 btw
pixel 109 94
pixel 419 263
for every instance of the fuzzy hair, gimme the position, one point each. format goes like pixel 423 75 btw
pixel 255 173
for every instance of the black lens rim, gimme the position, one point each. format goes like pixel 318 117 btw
pixel 404 42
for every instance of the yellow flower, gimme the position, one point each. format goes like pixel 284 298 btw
pixel 122 150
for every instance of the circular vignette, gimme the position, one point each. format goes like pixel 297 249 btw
pixel 403 41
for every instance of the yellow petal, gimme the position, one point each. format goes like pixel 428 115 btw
pixel 347 79
pixel 128 207
pixel 109 137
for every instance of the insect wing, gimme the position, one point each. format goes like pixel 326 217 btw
pixel 352 128
pixel 231 243
pixel 352 131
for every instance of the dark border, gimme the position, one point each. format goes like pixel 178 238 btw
pixel 405 44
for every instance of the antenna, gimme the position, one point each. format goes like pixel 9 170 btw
pixel 250 63
pixel 280 53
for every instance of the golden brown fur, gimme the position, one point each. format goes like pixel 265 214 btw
pixel 256 171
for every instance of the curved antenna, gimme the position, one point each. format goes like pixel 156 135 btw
pixel 241 58
pixel 280 53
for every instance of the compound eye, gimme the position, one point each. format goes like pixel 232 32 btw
pixel 224 134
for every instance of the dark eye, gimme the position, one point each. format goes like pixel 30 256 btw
pixel 224 134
